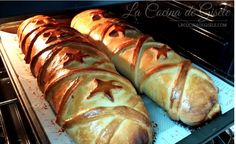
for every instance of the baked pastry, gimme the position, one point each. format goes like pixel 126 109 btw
pixel 92 102
pixel 185 92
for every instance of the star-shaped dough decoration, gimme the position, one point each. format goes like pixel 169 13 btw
pixel 120 27
pixel 75 57
pixel 51 36
pixel 163 50
pixel 58 34
pixel 36 21
pixel 104 87
pixel 98 14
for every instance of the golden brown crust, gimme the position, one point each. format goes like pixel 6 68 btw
pixel 187 94
pixel 91 100
pixel 205 93
pixel 30 25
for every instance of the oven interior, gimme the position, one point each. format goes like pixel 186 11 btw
pixel 210 47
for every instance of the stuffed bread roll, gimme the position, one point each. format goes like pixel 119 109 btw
pixel 92 102
pixel 185 92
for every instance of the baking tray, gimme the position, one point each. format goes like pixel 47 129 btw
pixel 40 113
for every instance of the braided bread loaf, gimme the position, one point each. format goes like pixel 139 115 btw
pixel 185 92
pixel 92 102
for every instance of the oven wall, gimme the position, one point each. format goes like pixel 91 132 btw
pixel 18 8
